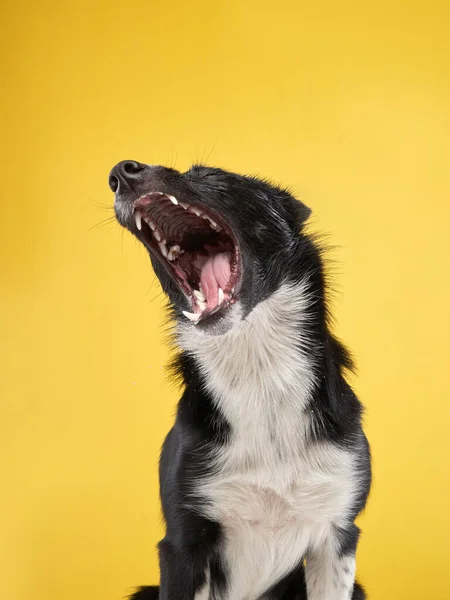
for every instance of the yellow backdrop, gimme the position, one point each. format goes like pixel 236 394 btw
pixel 348 103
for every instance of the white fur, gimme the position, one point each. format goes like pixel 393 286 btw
pixel 328 575
pixel 275 493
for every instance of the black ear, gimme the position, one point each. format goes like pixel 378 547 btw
pixel 297 212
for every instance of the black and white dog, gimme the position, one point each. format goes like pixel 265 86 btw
pixel 266 466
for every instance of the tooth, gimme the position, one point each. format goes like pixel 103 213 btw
pixel 191 316
pixel 202 305
pixel 195 210
pixel 212 223
pixel 200 296
pixel 173 252
pixel 138 219
pixel 157 236
pixel 172 199
pixel 151 225
pixel 185 205
pixel 221 296
pixel 162 247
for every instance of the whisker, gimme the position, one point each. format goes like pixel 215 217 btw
pixel 108 221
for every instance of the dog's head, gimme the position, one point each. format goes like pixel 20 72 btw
pixel 219 242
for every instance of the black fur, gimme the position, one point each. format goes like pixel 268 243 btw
pixel 269 226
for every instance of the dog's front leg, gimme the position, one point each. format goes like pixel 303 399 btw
pixel 183 571
pixel 330 568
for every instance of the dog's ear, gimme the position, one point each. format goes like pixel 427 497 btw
pixel 298 213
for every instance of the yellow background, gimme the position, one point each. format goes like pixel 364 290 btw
pixel 348 103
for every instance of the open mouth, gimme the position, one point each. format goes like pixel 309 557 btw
pixel 196 248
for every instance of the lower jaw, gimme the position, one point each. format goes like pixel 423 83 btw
pixel 218 322
pixel 199 315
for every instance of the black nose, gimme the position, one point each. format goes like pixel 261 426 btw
pixel 125 171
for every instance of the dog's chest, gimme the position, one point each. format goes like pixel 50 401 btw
pixel 274 504
pixel 274 493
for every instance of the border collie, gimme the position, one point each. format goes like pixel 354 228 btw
pixel 267 466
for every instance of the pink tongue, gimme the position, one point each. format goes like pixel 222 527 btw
pixel 215 273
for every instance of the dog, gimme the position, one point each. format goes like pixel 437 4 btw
pixel 267 465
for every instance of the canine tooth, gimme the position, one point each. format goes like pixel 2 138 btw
pixel 185 205
pixel 157 235
pixel 163 248
pixel 200 296
pixel 172 199
pixel 191 316
pixel 138 219
pixel 221 296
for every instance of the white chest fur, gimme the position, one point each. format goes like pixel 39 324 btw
pixel 270 520
pixel 275 494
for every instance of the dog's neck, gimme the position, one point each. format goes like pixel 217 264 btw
pixel 264 356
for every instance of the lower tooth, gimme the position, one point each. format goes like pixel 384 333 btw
pixel 221 296
pixel 191 316
pixel 199 295
pixel 163 248
pixel 173 252
pixel 201 305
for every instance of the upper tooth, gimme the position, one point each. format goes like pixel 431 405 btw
pixel 138 219
pixel 199 295
pixel 157 236
pixel 202 305
pixel 196 211
pixel 221 296
pixel 162 247
pixel 185 205
pixel 191 316
pixel 152 225
pixel 172 199
pixel 213 223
